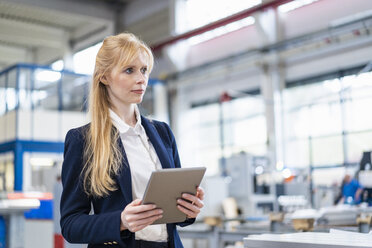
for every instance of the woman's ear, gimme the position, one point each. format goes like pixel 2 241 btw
pixel 104 80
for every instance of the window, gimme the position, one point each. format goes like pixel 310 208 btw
pixel 197 13
pixel 328 123
pixel 84 61
pixel 244 130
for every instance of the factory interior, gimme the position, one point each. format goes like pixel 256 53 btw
pixel 270 96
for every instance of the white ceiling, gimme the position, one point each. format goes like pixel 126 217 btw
pixel 34 34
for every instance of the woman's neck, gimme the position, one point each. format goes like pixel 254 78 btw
pixel 127 114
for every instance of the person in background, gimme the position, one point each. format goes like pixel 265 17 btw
pixel 351 190
pixel 108 162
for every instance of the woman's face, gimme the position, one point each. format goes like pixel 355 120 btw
pixel 127 84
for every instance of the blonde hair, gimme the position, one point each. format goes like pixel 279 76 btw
pixel 102 155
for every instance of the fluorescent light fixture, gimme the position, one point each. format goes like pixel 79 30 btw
pixel 279 165
pixel 41 162
pixel 228 28
pixel 58 65
pixel 286 173
pixel 39 95
pixel 48 76
pixel 259 170
pixel 287 7
pixel 198 13
pixel 332 85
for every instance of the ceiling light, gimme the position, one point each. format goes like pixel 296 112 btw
pixel 41 162
pixel 48 76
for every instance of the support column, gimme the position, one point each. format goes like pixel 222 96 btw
pixel 18 166
pixel 273 82
pixel 160 102
pixel 176 54
pixel 68 62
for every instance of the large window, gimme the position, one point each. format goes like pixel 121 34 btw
pixel 216 130
pixel 327 124
pixel 197 13
pixel 202 12
pixel 84 60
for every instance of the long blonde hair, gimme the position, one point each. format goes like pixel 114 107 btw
pixel 102 155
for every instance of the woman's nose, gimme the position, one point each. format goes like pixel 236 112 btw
pixel 140 78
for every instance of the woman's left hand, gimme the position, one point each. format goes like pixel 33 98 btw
pixel 191 204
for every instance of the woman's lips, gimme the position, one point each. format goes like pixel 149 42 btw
pixel 138 91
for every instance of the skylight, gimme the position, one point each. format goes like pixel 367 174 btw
pixel 202 12
pixel 287 7
pixel 221 30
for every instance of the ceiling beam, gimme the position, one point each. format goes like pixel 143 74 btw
pixel 11 54
pixel 31 35
pixel 87 8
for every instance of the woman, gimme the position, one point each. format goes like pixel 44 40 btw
pixel 108 162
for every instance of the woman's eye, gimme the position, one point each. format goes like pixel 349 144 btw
pixel 144 70
pixel 129 70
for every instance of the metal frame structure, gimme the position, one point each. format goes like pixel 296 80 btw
pixel 19 146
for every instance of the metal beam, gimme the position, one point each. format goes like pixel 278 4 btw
pixel 30 35
pixel 219 23
pixel 12 54
pixel 87 8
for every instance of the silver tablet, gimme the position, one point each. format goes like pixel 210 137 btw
pixel 167 185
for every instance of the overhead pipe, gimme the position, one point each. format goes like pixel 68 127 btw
pixel 222 22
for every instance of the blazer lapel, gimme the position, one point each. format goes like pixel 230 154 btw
pixel 156 141
pixel 124 177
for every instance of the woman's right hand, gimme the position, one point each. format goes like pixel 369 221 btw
pixel 135 216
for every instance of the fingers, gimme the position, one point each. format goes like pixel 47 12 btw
pixel 136 216
pixel 136 202
pixel 188 212
pixel 193 199
pixel 200 193
pixel 134 208
pixel 140 224
pixel 148 221
pixel 189 205
pixel 143 215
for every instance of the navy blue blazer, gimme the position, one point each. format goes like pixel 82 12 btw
pixel 78 226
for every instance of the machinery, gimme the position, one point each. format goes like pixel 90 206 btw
pixel 252 197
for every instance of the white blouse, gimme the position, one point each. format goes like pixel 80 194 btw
pixel 142 160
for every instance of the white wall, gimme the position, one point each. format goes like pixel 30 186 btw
pixel 8 127
pixel 40 125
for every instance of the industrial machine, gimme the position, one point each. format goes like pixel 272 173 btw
pixel 253 198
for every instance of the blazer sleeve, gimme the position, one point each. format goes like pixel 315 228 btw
pixel 76 223
pixel 176 159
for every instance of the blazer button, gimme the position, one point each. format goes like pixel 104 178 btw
pixel 109 243
pixel 105 243
pixel 114 242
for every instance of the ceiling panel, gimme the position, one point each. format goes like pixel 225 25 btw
pixel 40 16
pixel 40 32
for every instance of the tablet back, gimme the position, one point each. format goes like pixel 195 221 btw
pixel 167 185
